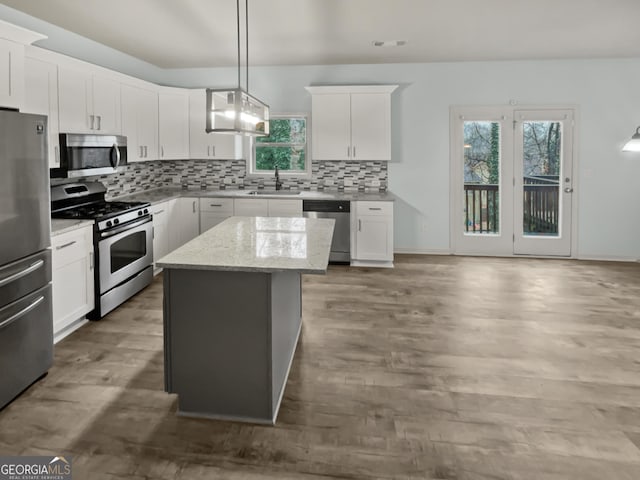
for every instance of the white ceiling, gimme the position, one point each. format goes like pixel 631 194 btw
pixel 202 33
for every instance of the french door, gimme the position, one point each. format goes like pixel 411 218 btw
pixel 511 184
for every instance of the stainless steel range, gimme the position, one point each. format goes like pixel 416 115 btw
pixel 122 239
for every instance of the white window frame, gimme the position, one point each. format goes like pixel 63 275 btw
pixel 251 152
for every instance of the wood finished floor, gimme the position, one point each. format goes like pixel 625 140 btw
pixel 446 368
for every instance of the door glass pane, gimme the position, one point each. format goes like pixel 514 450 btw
pixel 542 162
pixel 127 250
pixel 482 157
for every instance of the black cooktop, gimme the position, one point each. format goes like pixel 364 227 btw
pixel 100 210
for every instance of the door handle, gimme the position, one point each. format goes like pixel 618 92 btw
pixel 141 151
pixel 60 247
pixel 208 150
pixel 56 155
pixel 354 151
pixel 31 268
pixel 99 121
pixel 568 190
pixel 90 260
pixel 145 152
pixel 348 152
pixel 22 312
pixel 213 150
pixel 359 225
pixel 116 150
pixel 93 121
pixel 194 206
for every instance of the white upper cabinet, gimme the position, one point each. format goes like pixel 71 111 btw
pixel 203 145
pixel 173 116
pixel 351 122
pixel 140 122
pixel 12 47
pixel 41 97
pixel 88 102
pixel 11 74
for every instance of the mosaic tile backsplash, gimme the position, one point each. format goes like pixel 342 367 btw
pixel 232 174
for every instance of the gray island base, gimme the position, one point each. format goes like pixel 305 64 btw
pixel 233 314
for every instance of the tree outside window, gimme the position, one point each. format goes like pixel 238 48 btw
pixel 285 147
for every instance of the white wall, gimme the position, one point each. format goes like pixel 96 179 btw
pixel 606 93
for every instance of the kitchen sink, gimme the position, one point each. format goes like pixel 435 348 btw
pixel 274 192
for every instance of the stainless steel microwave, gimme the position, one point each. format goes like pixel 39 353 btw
pixel 85 155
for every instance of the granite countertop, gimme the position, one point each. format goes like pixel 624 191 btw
pixel 258 244
pixel 163 194
pixel 60 226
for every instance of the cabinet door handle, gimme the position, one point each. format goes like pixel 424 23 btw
pixel 90 260
pixel 60 247
pixel 348 152
pixel 208 150
pixel 359 225
pixel 194 206
pixel 93 121
pixel 158 212
pixel 213 149
pixel 56 155
pixel 146 152
pixel 162 151
pixel 354 151
pixel 141 151
pixel 375 208
pixel 216 204
pixel 99 122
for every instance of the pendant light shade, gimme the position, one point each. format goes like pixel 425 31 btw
pixel 633 145
pixel 234 110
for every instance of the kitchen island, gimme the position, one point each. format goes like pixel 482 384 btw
pixel 233 313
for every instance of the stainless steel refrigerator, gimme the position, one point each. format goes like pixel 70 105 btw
pixel 26 327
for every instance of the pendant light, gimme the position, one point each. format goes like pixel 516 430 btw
pixel 633 145
pixel 233 110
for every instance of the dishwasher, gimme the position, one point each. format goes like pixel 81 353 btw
pixel 339 210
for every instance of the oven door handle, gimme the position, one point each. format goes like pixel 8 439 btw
pixel 115 150
pixel 123 228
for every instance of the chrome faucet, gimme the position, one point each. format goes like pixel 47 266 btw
pixel 278 182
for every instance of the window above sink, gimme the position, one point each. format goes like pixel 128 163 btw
pixel 285 147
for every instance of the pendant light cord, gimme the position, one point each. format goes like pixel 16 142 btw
pixel 238 30
pixel 246 40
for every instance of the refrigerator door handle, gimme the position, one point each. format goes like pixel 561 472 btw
pixel 11 278
pixel 22 312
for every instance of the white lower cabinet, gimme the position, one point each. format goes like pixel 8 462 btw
pixel 161 213
pixel 213 211
pixel 72 278
pixel 372 237
pixel 184 221
pixel 284 208
pixel 251 207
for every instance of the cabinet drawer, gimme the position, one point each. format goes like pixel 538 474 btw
pixel 219 205
pixel 70 247
pixel 374 208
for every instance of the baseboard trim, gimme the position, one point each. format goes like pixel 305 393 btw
pixel 421 251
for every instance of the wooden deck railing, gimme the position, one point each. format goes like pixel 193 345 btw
pixel 540 206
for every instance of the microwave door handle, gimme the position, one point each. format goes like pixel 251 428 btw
pixel 116 150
